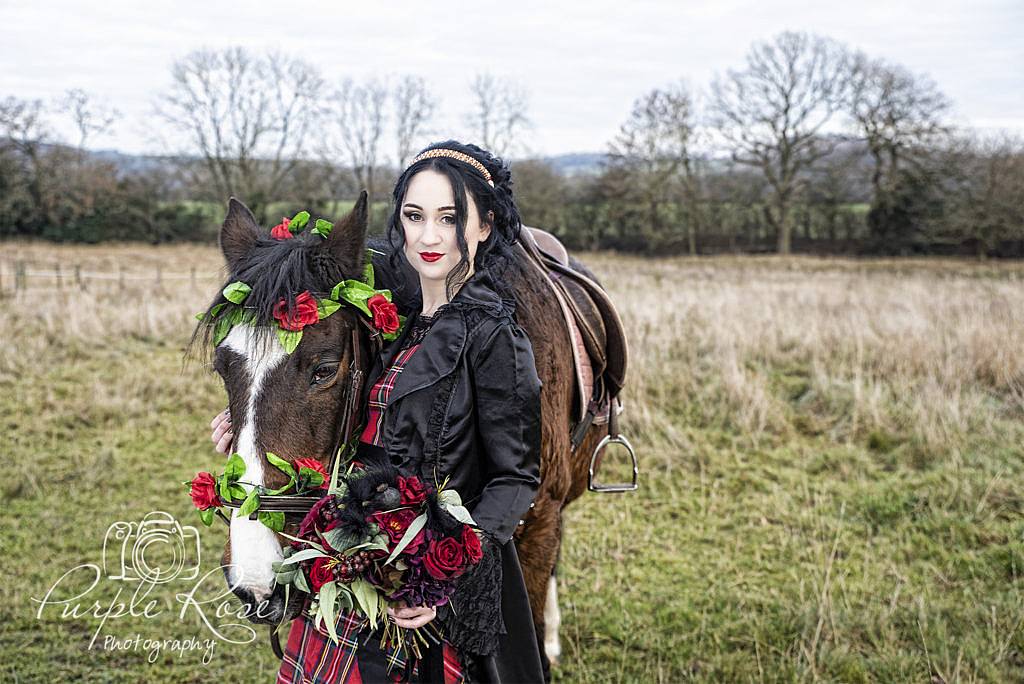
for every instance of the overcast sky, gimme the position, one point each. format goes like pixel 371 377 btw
pixel 582 63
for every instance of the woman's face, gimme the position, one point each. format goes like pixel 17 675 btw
pixel 428 218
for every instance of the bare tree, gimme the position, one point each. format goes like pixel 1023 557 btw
pixel 248 116
pixel 656 145
pixel 90 117
pixel 355 122
pixel 899 115
pixel 772 113
pixel 498 117
pixel 414 108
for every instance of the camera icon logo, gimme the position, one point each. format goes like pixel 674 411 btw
pixel 156 549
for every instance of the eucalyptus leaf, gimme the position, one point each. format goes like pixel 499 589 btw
pixel 449 497
pixel 460 513
pixel 345 598
pixel 414 528
pixel 305 554
pixel 301 583
pixel 367 598
pixel 304 541
pixel 339 539
pixel 328 600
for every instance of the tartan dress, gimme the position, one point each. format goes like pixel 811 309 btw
pixel 310 656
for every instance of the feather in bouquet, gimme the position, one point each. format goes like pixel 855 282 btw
pixel 380 537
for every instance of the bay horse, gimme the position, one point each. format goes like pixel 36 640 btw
pixel 275 408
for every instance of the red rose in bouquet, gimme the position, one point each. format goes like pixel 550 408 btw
pixel 413 491
pixel 471 543
pixel 445 558
pixel 320 573
pixel 204 491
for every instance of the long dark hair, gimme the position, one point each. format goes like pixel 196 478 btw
pixel 495 253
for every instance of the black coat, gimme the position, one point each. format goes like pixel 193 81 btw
pixel 466 407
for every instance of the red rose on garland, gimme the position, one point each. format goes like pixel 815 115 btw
pixel 471 543
pixel 204 491
pixel 412 489
pixel 385 314
pixel 280 231
pixel 305 312
pixel 444 559
pixel 321 573
pixel 314 465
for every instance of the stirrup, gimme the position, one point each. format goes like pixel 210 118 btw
pixel 617 487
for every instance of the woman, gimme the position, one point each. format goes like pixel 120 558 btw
pixel 456 396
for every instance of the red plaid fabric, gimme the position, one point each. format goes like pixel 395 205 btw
pixel 378 398
pixel 312 658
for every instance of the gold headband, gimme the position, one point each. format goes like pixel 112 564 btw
pixel 455 154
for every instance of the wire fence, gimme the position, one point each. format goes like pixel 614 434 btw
pixel 22 275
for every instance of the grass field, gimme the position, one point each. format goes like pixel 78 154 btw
pixel 831 472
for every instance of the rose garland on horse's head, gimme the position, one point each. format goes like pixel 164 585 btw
pixel 292 314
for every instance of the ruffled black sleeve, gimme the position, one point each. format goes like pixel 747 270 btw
pixel 472 619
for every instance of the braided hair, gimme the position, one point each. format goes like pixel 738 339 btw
pixel 494 253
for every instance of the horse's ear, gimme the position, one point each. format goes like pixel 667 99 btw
pixel 347 239
pixel 239 232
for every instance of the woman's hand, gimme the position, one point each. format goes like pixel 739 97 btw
pixel 222 434
pixel 411 618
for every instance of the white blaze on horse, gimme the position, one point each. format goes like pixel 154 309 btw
pixel 289 404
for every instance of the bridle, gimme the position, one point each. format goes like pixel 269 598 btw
pixel 295 507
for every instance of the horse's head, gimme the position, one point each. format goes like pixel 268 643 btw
pixel 284 403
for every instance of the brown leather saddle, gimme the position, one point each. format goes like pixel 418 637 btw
pixel 600 351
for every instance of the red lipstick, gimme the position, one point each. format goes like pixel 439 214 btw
pixel 430 256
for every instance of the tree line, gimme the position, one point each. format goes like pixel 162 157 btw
pixel 808 145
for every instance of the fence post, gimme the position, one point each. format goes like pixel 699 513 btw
pixel 19 276
pixel 60 281
pixel 192 276
pixel 78 277
pixel 120 276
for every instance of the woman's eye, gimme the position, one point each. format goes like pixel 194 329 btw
pixel 449 219
pixel 324 373
pixel 412 216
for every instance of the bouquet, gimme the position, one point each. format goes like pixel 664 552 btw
pixel 377 537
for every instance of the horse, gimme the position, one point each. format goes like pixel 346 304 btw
pixel 275 408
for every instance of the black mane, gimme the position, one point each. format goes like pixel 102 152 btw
pixel 275 270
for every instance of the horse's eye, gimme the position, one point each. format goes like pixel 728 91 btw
pixel 324 373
